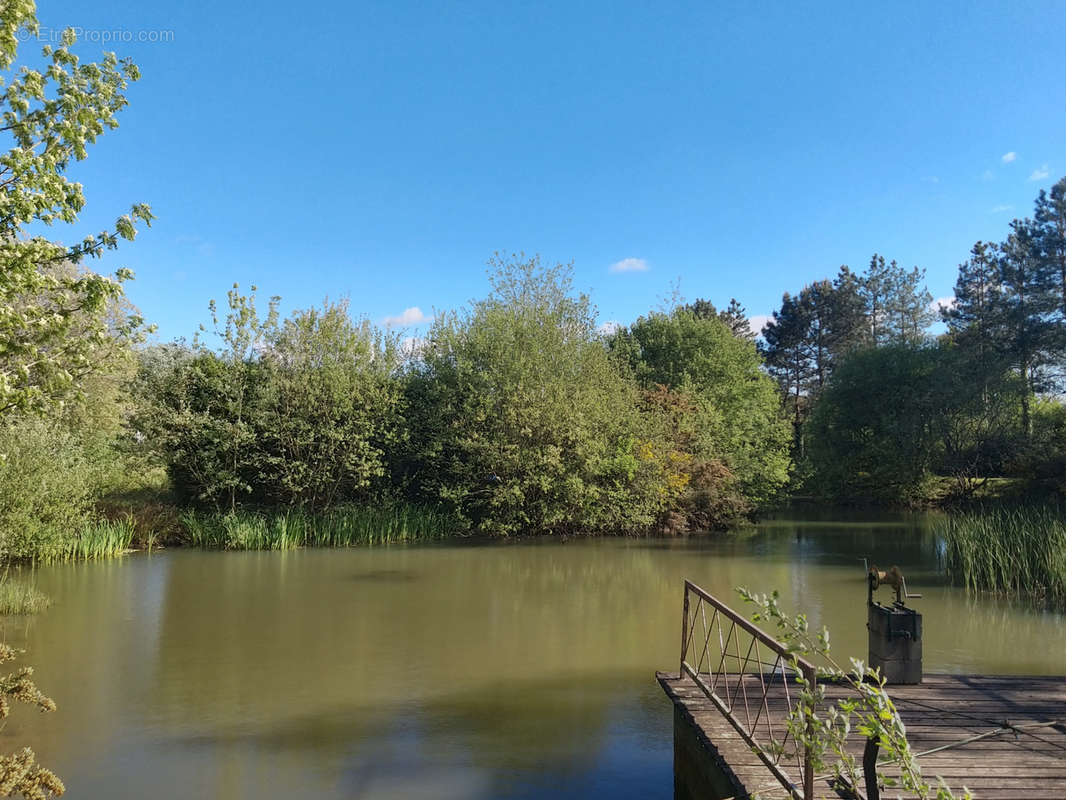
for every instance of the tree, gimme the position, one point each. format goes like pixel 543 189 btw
pixel 898 306
pixel 809 336
pixel 521 422
pixel 53 322
pixel 787 353
pixel 1025 307
pixel 734 316
pixel 701 356
pixel 880 450
pixel 973 319
pixel 1050 231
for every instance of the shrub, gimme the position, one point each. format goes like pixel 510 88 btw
pixel 46 488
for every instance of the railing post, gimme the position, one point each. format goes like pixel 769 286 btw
pixel 808 766
pixel 684 635
pixel 869 769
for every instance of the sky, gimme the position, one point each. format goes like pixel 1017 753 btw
pixel 384 151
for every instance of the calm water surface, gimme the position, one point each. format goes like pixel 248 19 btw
pixel 515 670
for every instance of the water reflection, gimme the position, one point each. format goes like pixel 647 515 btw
pixel 519 670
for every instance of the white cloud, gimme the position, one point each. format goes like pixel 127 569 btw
pixel 409 316
pixel 1040 174
pixel 608 327
pixel 947 302
pixel 630 265
pixel 758 322
pixel 1009 157
pixel 931 179
pixel 988 175
pixel 1001 208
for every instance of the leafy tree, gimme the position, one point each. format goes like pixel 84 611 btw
pixel 879 450
pixel 292 413
pixel 520 419
pixel 701 356
pixel 332 408
pixel 53 320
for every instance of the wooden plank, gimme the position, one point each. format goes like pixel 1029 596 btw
pixel 942 710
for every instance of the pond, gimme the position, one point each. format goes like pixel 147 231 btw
pixel 507 670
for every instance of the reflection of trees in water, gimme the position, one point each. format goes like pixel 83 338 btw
pixel 501 658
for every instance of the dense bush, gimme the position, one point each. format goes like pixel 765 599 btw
pixel 724 412
pixel 892 417
pixel 294 414
pixel 47 485
pixel 521 422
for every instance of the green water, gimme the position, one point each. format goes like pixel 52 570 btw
pixel 513 670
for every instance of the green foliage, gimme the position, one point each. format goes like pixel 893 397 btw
pixel 735 406
pixel 19 773
pixel 822 729
pixel 19 598
pixel 298 413
pixel 98 539
pixel 521 422
pixel 46 488
pixel 1015 550
pixel 881 450
pixel 54 321
pixel 345 526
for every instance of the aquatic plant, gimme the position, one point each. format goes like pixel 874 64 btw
pixel 19 597
pixel 99 539
pixel 1014 550
pixel 345 526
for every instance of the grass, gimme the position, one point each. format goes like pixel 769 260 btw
pixel 1014 550
pixel 347 526
pixel 101 539
pixel 17 597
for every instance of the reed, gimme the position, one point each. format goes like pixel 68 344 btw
pixel 17 597
pixel 346 526
pixel 1013 550
pixel 99 539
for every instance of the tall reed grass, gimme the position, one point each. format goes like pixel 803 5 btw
pixel 1015 550
pixel 99 539
pixel 18 597
pixel 346 526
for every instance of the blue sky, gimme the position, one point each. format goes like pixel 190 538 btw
pixel 385 150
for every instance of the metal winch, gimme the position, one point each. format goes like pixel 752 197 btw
pixel 895 630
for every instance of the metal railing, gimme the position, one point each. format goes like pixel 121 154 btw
pixel 743 670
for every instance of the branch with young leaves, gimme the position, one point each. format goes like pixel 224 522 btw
pixel 56 324
pixel 823 728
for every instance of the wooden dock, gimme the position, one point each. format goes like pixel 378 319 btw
pixel 1026 762
pixel 1000 737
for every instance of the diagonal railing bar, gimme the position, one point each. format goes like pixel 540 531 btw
pixel 721 669
pixel 750 685
pixel 742 668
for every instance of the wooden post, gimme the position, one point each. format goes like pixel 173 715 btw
pixel 869 770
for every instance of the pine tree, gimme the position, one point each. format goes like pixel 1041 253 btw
pixel 735 317
pixel 1050 219
pixel 1026 305
pixel 787 353
pixel 973 321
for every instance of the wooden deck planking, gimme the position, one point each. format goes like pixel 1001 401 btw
pixel 943 709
